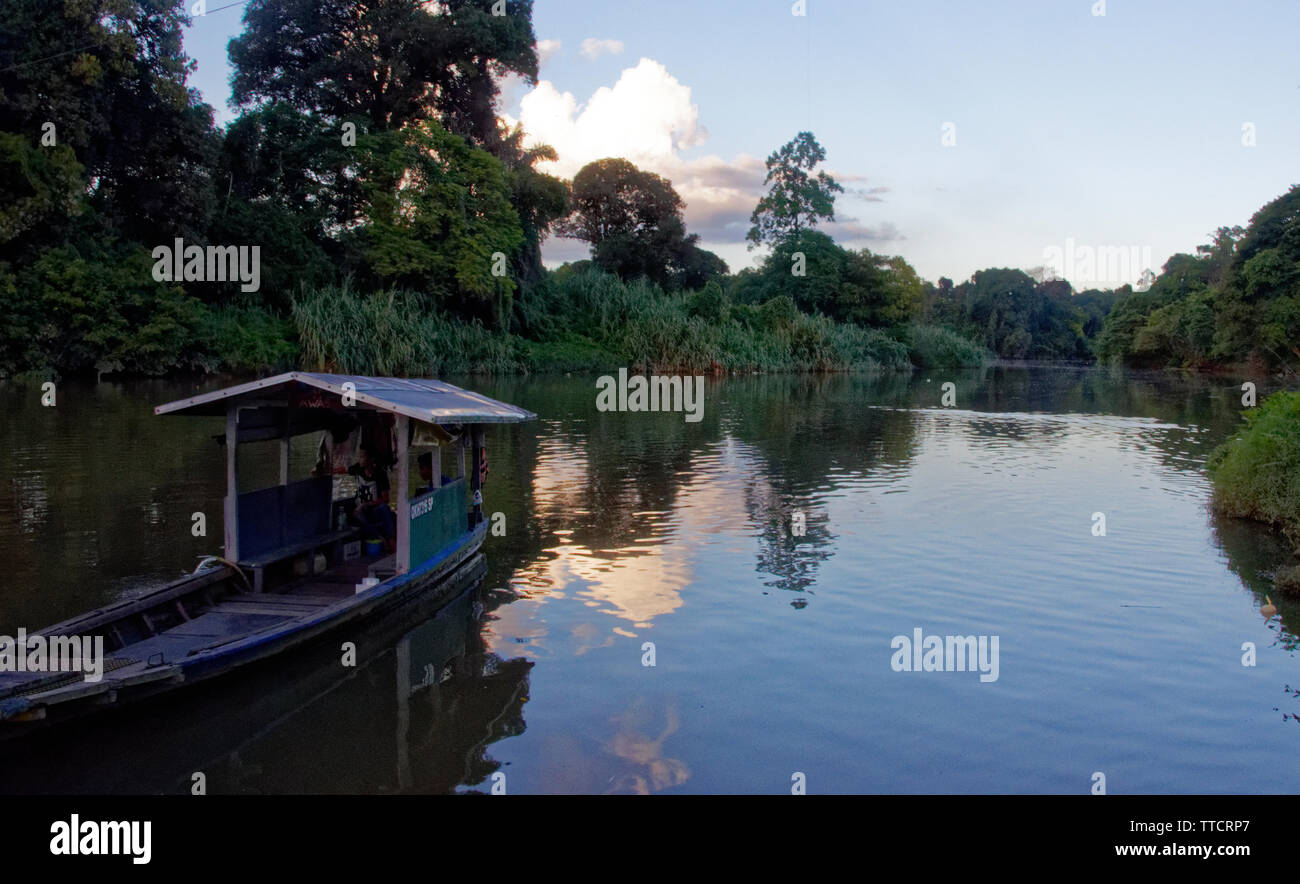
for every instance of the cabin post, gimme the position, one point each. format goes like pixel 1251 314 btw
pixel 231 508
pixel 403 508
pixel 476 474
pixel 284 451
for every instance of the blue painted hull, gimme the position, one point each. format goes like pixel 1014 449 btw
pixel 29 703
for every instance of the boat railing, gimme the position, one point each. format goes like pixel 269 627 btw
pixel 284 515
pixel 437 518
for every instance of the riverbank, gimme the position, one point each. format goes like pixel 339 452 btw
pixel 591 321
pixel 679 533
pixel 583 320
pixel 1256 474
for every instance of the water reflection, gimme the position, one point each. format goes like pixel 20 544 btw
pixel 616 508
pixel 773 645
pixel 418 713
pixel 1254 553
pixel 611 497
pixel 639 742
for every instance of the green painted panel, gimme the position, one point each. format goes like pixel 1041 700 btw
pixel 438 518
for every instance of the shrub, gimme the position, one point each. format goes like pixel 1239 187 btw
pixel 708 304
pixel 1256 473
pixel 390 334
pixel 250 340
pixel 933 346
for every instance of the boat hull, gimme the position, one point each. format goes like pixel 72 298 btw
pixel 23 712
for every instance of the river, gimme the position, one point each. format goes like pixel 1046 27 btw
pixel 768 560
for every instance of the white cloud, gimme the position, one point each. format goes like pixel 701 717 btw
pixel 546 50
pixel 648 118
pixel 593 48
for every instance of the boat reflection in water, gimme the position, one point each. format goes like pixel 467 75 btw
pixel 416 713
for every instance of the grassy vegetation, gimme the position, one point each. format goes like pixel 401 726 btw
pixel 250 339
pixel 391 335
pixel 934 346
pixel 590 320
pixel 1256 473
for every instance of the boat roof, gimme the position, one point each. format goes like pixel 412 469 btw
pixel 423 399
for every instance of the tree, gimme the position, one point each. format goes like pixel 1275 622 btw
pixel 279 154
pixel 1236 300
pixel 1019 318
pixel 612 197
pixel 1257 301
pixel 286 181
pixel 104 152
pixel 540 199
pixel 796 200
pixel 437 209
pixel 40 190
pixel 110 77
pixel 633 221
pixel 694 267
pixel 846 285
pixel 394 61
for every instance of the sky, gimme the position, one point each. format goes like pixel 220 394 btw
pixel 967 134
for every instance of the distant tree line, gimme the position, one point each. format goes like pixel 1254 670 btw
pixel 368 164
pixel 1236 300
pixel 367 148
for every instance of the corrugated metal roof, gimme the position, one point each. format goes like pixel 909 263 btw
pixel 424 399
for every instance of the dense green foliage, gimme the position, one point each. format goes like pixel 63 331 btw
pixel 1237 300
pixel 394 61
pixel 633 221
pixel 1016 316
pixel 103 151
pixel 823 277
pixel 368 147
pixel 796 199
pixel 1257 472
pixel 592 320
pixel 367 157
pixel 398 221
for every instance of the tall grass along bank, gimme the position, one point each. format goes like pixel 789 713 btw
pixel 587 321
pixel 1256 473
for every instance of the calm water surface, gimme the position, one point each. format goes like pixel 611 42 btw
pixel 1119 653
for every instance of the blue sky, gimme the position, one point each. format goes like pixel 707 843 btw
pixel 1072 130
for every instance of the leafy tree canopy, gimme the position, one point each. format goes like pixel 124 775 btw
pixel 821 276
pixel 633 220
pixel 796 199
pixel 393 61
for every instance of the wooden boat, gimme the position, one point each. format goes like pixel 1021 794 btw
pixel 417 714
pixel 294 567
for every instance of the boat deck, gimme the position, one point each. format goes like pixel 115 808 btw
pixel 231 618
pixel 307 594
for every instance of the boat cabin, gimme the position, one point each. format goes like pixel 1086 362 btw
pixel 303 556
pixel 276 533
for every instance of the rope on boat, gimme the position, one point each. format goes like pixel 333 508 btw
pixel 207 560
